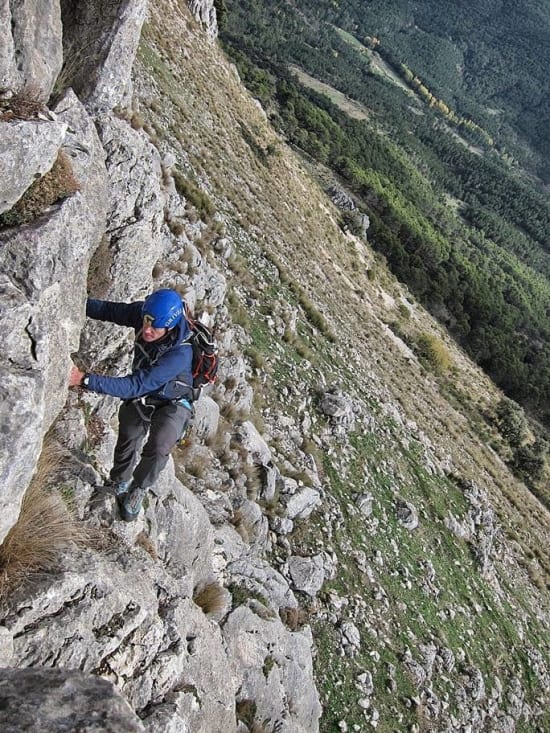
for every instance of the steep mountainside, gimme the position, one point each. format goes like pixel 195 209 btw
pixel 489 63
pixel 340 544
pixel 450 203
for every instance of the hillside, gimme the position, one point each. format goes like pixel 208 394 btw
pixel 346 488
pixel 413 436
pixel 451 207
pixel 489 64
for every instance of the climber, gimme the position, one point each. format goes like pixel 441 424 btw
pixel 157 398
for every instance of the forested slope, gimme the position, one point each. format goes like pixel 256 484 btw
pixel 487 60
pixel 451 208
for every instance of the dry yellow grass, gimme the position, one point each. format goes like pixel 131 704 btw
pixel 57 184
pixel 26 104
pixel 210 598
pixel 45 528
pixel 145 542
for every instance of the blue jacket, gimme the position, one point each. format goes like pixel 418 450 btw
pixel 161 369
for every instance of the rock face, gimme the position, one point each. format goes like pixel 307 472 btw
pixel 43 266
pixel 28 149
pixel 99 45
pixel 205 12
pixel 123 632
pixel 59 700
pixel 30 45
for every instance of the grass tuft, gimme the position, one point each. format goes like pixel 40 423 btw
pixel 433 350
pixel 57 184
pixel 44 530
pixel 210 598
pixel 26 104
pixel 193 194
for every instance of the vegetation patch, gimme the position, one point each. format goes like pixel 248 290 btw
pixel 433 350
pixel 26 103
pixel 482 266
pixel 54 186
pixel 241 595
pixel 210 598
pixel 44 530
pixel 193 194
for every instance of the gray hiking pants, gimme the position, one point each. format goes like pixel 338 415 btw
pixel 165 424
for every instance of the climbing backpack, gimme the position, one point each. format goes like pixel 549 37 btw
pixel 205 354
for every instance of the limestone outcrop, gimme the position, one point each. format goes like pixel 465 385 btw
pixel 30 45
pixel 122 640
pixel 99 45
pixel 44 267
pixel 205 12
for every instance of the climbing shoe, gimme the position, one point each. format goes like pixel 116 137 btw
pixel 121 488
pixel 129 504
pixel 118 488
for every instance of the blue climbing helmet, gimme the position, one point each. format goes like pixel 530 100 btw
pixel 163 308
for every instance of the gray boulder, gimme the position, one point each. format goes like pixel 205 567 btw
pixel 307 573
pixel 56 700
pixel 30 45
pixel 209 286
pixel 407 514
pixel 253 443
pixel 364 504
pixel 131 609
pixel 339 408
pixel 206 420
pixel 302 503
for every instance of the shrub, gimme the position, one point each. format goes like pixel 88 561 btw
pixel 511 422
pixel 268 665
pixel 137 121
pixel 404 311
pixel 529 461
pixel 434 352
pixel 210 598
pixel 57 184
